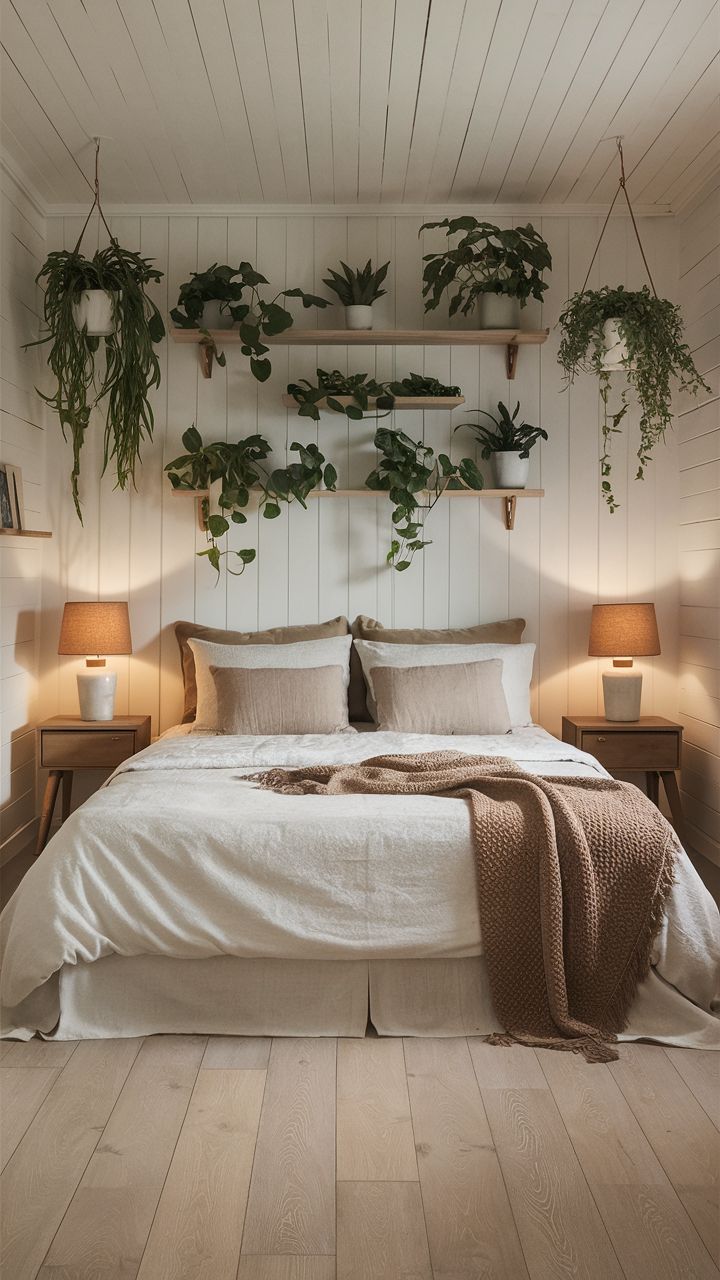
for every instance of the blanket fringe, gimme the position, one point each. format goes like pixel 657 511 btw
pixel 592 1050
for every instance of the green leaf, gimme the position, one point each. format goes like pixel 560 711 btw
pixel 217 526
pixel 271 511
pixel 238 517
pixel 247 555
pixel 192 440
pixel 330 476
pixel 261 369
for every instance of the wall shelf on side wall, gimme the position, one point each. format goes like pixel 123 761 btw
pixel 25 533
pixel 511 339
pixel 401 402
pixel 508 497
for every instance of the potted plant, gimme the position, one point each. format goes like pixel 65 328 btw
pixel 357 389
pixel 204 300
pixel 418 384
pixel 640 335
pixel 102 350
pixel 508 445
pixel 357 290
pixel 256 317
pixel 407 471
pixel 239 467
pixel 498 268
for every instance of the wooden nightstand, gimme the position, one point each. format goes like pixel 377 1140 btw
pixel 649 745
pixel 66 743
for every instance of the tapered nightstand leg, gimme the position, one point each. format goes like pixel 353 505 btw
pixel 674 801
pixel 48 805
pixel 67 782
pixel 652 780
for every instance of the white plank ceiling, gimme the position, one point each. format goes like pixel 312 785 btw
pixel 344 102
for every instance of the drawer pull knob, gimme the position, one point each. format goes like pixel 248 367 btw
pixel 601 739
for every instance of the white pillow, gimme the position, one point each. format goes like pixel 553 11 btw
pixel 333 652
pixel 517 660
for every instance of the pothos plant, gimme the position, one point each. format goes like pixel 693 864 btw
pixel 407 471
pixel 115 372
pixel 256 317
pixel 362 389
pixel 652 331
pixel 486 259
pixel 240 468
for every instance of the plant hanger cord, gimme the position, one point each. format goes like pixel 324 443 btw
pixel 622 186
pixel 96 202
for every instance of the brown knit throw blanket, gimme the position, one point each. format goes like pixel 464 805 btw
pixel 573 875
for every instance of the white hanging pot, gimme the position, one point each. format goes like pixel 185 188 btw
pixel 214 318
pixel 357 317
pixel 616 351
pixel 93 312
pixel 499 311
pixel 511 471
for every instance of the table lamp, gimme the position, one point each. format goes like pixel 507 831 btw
pixel 623 632
pixel 95 627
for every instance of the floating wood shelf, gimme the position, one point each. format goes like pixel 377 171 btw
pixel 25 533
pixel 509 498
pixel 511 339
pixel 401 402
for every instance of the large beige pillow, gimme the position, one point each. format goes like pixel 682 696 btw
pixel 270 700
pixel 467 697
pixel 507 631
pixel 333 652
pixel 274 635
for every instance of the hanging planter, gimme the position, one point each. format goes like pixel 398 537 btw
pixel 635 334
pixel 103 328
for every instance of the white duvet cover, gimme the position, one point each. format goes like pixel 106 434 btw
pixel 180 855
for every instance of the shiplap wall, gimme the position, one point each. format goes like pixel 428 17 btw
pixel 22 444
pixel 566 550
pixel 699 432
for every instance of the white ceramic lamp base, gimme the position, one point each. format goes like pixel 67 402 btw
pixel 622 693
pixel 96 691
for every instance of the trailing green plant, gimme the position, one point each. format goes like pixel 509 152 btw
pixel 256 317
pixel 118 370
pixel 486 259
pixel 407 470
pixel 652 330
pixel 417 384
pixel 359 287
pixel 360 386
pixel 507 436
pixel 240 468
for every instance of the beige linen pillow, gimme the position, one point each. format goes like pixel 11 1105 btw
pixel 185 631
pixel 506 631
pixel 466 697
pixel 270 700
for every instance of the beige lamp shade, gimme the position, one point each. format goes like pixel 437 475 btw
pixel 623 630
pixel 90 626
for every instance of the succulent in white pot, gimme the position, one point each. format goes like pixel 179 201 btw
pixel 508 443
pixel 357 290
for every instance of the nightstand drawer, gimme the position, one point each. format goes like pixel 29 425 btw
pixel 85 748
pixel 627 750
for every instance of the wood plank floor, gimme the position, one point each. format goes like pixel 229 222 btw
pixel 186 1158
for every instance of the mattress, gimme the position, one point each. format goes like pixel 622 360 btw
pixel 181 857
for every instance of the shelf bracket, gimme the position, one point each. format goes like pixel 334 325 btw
pixel 509 506
pixel 202 506
pixel 206 351
pixel 512 356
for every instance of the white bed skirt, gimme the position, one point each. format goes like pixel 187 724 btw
pixel 225 995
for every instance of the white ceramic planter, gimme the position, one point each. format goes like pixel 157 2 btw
pixel 498 311
pixel 616 352
pixel 511 471
pixel 94 312
pixel 213 318
pixel 96 691
pixel 358 317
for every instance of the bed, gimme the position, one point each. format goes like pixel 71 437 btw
pixel 182 898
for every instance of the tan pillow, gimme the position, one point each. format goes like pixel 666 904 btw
pixel 274 635
pixel 508 631
pixel 467 697
pixel 270 700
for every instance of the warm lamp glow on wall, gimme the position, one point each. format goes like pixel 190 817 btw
pixel 623 632
pixel 93 628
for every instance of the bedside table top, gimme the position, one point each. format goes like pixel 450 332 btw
pixel 75 722
pixel 656 723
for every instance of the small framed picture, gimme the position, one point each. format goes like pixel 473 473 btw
pixel 15 489
pixel 8 517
